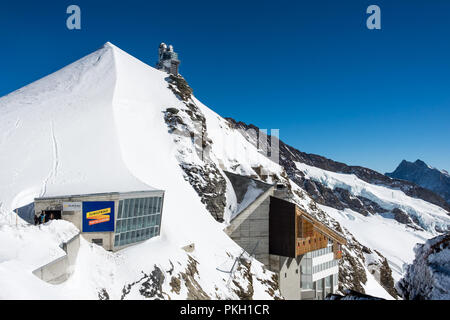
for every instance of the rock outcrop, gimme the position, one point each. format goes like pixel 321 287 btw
pixel 428 277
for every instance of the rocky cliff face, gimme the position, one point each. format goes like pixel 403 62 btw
pixel 423 175
pixel 188 126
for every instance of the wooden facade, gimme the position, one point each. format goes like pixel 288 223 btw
pixel 293 232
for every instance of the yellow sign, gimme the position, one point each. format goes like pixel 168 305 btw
pixel 98 216
pixel 96 213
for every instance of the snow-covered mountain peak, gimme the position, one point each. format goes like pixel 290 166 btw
pixel 110 122
pixel 98 125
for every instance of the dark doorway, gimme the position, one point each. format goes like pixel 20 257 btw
pixel 52 215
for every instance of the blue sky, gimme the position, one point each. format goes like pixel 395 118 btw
pixel 309 68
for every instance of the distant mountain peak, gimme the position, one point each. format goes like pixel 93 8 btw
pixel 425 176
pixel 420 162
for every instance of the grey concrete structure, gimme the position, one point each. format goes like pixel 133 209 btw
pixel 250 227
pixel 110 240
pixel 288 270
pixel 301 278
pixel 60 269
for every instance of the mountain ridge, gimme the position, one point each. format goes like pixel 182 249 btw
pixel 420 173
pixel 366 174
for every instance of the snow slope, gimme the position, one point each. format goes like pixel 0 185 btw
pixel 429 215
pixel 97 126
pixel 380 232
pixel 392 239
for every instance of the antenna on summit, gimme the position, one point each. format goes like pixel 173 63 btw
pixel 167 59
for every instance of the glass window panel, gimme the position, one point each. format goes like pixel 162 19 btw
pixel 119 226
pixel 319 284
pixel 133 236
pixel 136 207
pixel 127 208
pixel 150 201
pixel 138 235
pixel 139 224
pixel 150 205
pixel 156 231
pixel 144 221
pixel 130 208
pixel 158 204
pixel 141 206
pixel 119 215
pixel 124 210
pixel 130 224
pixel 116 240
pixel 158 219
pixel 152 220
pixel 145 212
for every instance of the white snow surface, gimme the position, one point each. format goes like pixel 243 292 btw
pixel 429 215
pixel 251 194
pixel 97 125
pixel 392 239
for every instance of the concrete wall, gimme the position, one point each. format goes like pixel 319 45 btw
pixel 251 227
pixel 60 269
pixel 289 275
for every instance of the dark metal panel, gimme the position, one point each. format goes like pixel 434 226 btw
pixel 282 228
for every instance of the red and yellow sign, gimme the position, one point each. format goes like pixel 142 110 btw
pixel 98 216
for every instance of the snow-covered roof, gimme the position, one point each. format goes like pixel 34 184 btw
pixel 139 192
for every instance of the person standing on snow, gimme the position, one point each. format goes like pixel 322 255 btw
pixel 42 218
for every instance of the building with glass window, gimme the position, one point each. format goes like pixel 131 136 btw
pixel 303 251
pixel 113 220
